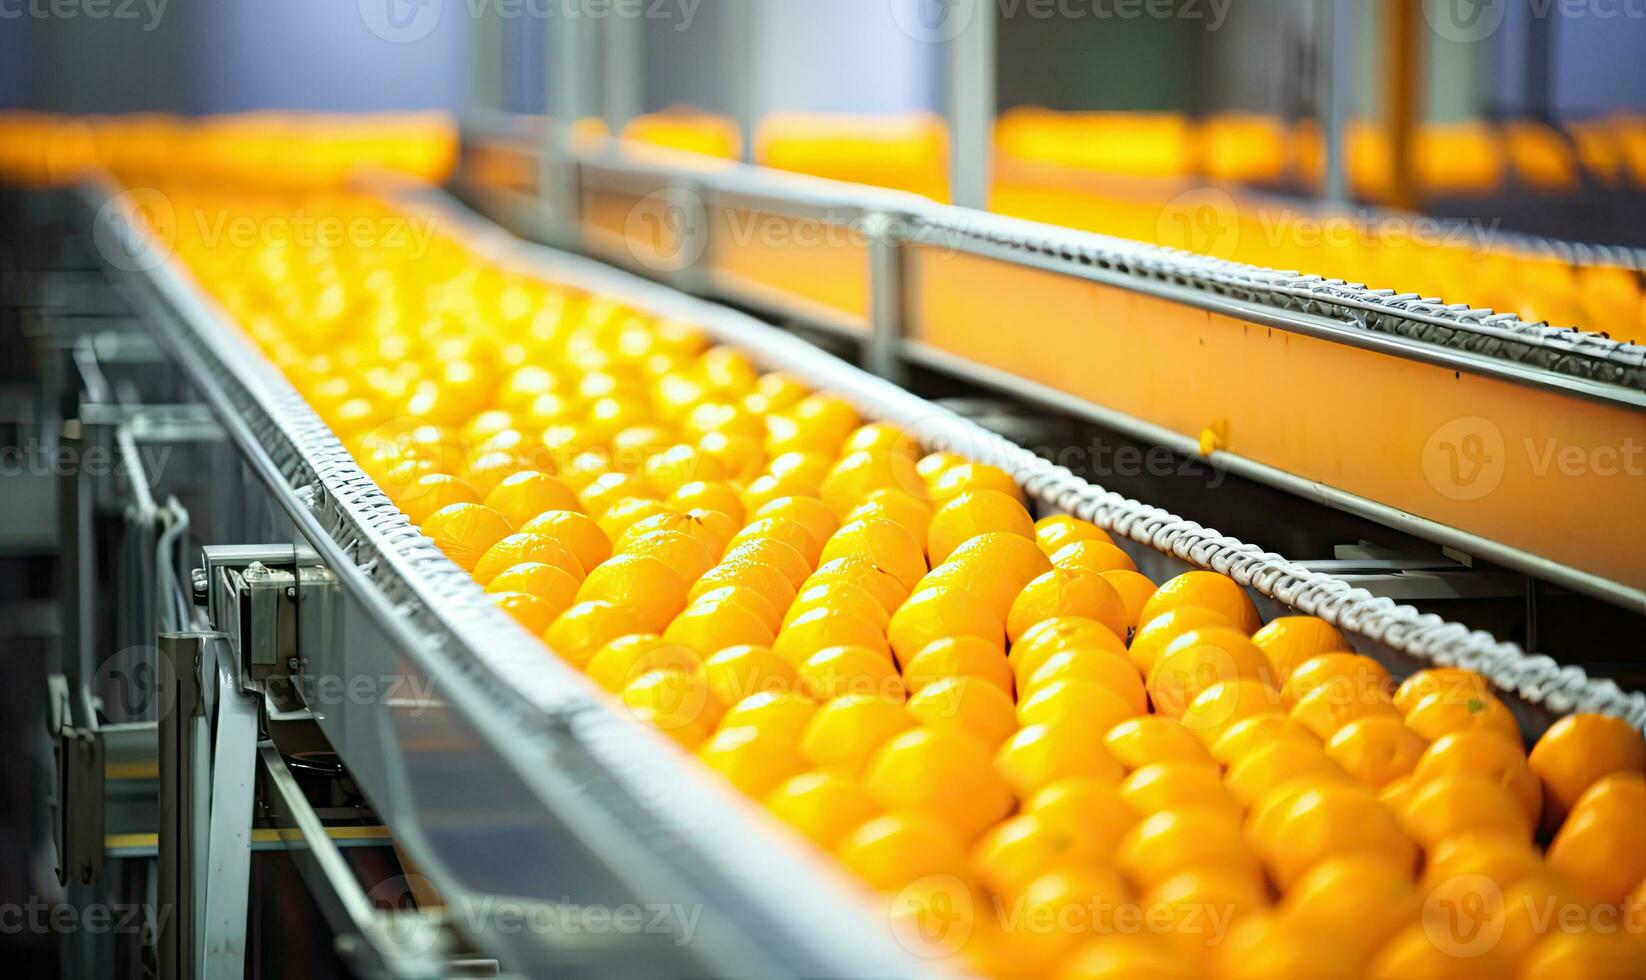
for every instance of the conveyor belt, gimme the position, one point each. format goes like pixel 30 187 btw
pixel 1348 396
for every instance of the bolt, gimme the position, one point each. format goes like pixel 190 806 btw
pixel 291 591
pixel 292 664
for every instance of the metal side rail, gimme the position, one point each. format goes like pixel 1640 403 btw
pixel 1462 423
pixel 502 772
pixel 1404 636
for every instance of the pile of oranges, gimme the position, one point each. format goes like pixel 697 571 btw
pixel 1038 761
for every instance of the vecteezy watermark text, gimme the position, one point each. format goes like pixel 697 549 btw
pixel 938 21
pixel 148 11
pixel 409 21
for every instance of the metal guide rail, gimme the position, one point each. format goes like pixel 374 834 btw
pixel 1450 423
pixel 511 777
pixel 498 768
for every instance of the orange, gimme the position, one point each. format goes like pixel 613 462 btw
pixel 1604 853
pixel 485 471
pixel 1093 556
pixel 847 731
pixel 740 595
pixel 865 574
pixel 1543 904
pixel 711 530
pixel 1057 530
pixel 1170 842
pixel 966 705
pixel 1066 592
pixel 1198 659
pixel 1350 676
pixel 1503 859
pixel 859 473
pixel 1290 640
pixel 673 700
pixel 1155 634
pixel 749 760
pixel 1438 714
pixel 788 532
pixel 972 513
pixel 958 656
pixel 1226 703
pixel 1462 802
pixel 609 488
pixel 683 555
pixel 1148 739
pixel 1181 906
pixel 1088 705
pixel 765 489
pixel 936 613
pixel 1208 590
pixel 1247 734
pixel 1376 749
pixel 528 610
pixel 577 531
pixel 828 627
pixel 933 465
pixel 941 773
pixel 1590 953
pixel 709 495
pixel 1001 552
pixel 838 594
pixel 1577 751
pixel 780 390
pixel 1084 808
pixel 1135 588
pixel 990 588
pixel 1361 897
pixel 808 512
pixel 646 586
pixel 466 531
pixel 524 495
pixel 587 626
pixel 431 492
pixel 1328 708
pixel 680 465
pixel 1489 753
pixel 555 586
pixel 772 552
pixel 1620 792
pixel 1265 945
pixel 757 577
pixel 1127 956
pixel 1175 786
pixel 880 437
pixel 1089 664
pixel 620 661
pixel 902 508
pixel 1041 754
pixel 1455 682
pixel 1041 926
pixel 822 806
pixel 1333 818
pixel 517 549
pixel 1040 642
pixel 781 715
pixel 887 546
pixel 709 627
pixel 1016 851
pixel 1265 768
pixel 736 672
pixel 1420 952
pixel 840 670
pixel 626 513
pixel 891 851
pixel 969 477
pixel 806 467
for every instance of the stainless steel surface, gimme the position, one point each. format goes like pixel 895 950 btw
pixel 180 655
pixel 969 80
pixel 222 932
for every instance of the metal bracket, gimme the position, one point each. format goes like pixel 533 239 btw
pixel 77 822
pixel 252 594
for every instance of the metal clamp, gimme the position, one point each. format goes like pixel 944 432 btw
pixel 77 818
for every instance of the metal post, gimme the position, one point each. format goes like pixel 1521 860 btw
pixel 486 59
pixel 571 69
pixel 738 50
pixel 180 705
pixel 883 349
pixel 623 67
pixel 1337 77
pixel 970 80
pixel 1402 72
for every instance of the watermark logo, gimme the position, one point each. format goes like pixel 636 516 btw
pixel 400 21
pixel 1204 220
pixel 1465 21
pixel 1465 458
pixel 413 929
pixel 933 916
pixel 135 229
pixel 934 21
pixel 667 230
pixel 135 684
pixel 1464 917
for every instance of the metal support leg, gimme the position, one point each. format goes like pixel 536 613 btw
pixel 180 709
pixel 228 846
pixel 883 350
pixel 971 105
